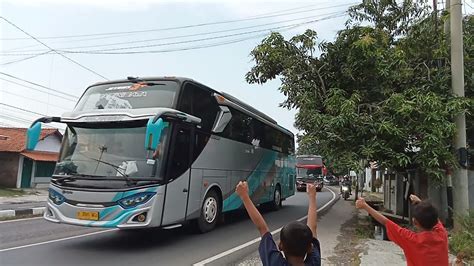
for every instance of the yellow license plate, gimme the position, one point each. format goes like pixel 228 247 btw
pixel 93 216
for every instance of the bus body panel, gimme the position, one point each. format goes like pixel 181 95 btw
pixel 176 199
pixel 110 214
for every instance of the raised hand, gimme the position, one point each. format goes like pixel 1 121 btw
pixel 311 190
pixel 414 199
pixel 360 203
pixel 242 189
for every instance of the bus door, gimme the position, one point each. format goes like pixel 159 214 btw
pixel 178 174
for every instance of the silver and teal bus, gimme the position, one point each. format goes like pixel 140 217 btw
pixel 162 152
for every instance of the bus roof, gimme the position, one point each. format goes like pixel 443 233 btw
pixel 181 80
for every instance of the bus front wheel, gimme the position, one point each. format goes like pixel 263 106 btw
pixel 210 212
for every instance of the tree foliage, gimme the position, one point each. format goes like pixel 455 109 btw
pixel 379 91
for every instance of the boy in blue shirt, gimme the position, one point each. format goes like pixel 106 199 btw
pixel 298 241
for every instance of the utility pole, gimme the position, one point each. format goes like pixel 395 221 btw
pixel 460 178
pixel 449 180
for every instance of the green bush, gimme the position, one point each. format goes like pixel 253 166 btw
pixel 462 240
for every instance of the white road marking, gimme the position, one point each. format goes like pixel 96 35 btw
pixel 57 240
pixel 251 242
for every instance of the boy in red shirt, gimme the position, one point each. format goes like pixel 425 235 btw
pixel 428 246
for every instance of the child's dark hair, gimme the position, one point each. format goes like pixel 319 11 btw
pixel 296 237
pixel 425 214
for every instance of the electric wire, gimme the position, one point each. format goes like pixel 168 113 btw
pixel 66 57
pixel 179 36
pixel 24 59
pixel 111 50
pixel 188 26
pixel 36 84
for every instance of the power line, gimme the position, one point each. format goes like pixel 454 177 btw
pixel 196 47
pixel 17 119
pixel 35 89
pixel 34 38
pixel 183 36
pixel 21 109
pixel 24 59
pixel 465 2
pixel 36 84
pixel 192 25
pixel 111 51
pixel 20 120
pixel 36 100
pixel 266 31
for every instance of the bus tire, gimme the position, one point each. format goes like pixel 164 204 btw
pixel 210 212
pixel 275 204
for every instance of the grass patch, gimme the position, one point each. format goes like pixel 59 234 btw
pixel 461 241
pixel 11 192
pixel 365 228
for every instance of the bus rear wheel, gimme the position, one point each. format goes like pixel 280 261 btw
pixel 210 212
pixel 275 204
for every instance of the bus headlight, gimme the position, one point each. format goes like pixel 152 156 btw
pixel 55 197
pixel 135 200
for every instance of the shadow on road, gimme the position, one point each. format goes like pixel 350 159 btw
pixel 150 238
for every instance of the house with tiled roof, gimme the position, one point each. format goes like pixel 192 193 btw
pixel 23 168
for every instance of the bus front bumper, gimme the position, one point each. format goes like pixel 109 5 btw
pixel 122 218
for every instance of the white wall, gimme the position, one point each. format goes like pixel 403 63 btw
pixel 51 143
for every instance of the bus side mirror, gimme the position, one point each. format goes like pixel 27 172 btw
pixel 153 133
pixel 34 131
pixel 222 119
pixel 32 136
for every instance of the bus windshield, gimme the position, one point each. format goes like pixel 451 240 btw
pixel 109 152
pixel 130 96
pixel 303 172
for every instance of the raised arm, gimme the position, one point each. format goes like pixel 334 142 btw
pixel 361 204
pixel 414 199
pixel 243 191
pixel 312 209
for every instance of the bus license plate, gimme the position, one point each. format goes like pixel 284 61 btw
pixel 93 216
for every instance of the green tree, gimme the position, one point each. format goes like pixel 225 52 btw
pixel 379 91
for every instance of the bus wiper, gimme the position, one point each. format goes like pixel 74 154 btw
pixel 118 169
pixel 74 176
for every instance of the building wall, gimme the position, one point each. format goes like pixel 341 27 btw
pixel 50 144
pixel 8 169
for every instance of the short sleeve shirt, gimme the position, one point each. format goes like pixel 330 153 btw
pixel 423 248
pixel 271 255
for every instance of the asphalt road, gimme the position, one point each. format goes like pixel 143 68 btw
pixel 143 247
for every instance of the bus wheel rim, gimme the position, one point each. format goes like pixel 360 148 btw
pixel 277 197
pixel 210 210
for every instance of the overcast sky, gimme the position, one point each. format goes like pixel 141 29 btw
pixel 220 67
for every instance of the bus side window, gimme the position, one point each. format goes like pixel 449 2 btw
pixel 186 102
pixel 179 162
pixel 200 142
pixel 205 107
pixel 199 102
